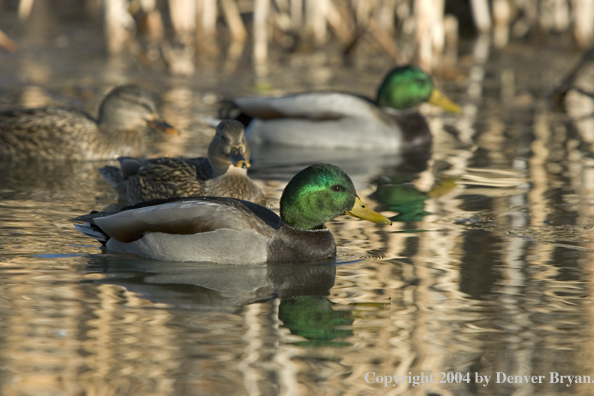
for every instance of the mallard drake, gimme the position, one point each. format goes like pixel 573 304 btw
pixel 222 174
pixel 58 133
pixel 342 120
pixel 232 231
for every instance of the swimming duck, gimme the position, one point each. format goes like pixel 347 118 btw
pixel 232 231
pixel 222 174
pixel 58 133
pixel 342 120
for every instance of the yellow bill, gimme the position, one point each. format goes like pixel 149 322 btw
pixel 161 125
pixel 363 211
pixel 439 99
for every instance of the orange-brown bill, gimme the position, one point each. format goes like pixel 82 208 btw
pixel 161 125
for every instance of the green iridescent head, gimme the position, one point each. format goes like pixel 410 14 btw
pixel 408 86
pixel 318 194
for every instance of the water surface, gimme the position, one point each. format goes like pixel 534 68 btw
pixel 486 269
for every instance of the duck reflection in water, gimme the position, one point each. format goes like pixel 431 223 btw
pixel 398 193
pixel 302 289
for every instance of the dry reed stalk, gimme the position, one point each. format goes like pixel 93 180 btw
pixel 233 55
pixel 282 26
pixel 206 17
pixel 430 32
pixel 338 23
pixel 296 15
pixel 209 18
pixel 199 17
pixel 296 10
pixel 234 22
pixel 118 23
pixel 282 6
pixel 385 16
pixel 25 7
pixel 316 17
pixel 7 43
pixel 529 11
pixel 583 30
pixel 437 30
pixel 362 11
pixel 450 29
pixel 180 60
pixel 561 15
pixel 183 17
pixel 421 12
pixel 261 11
pixel 154 25
pixel 384 39
pixel 481 15
pixel 502 14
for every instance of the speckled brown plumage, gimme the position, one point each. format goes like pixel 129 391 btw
pixel 223 173
pixel 55 133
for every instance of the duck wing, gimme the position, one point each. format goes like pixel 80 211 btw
pixel 203 168
pixel 221 230
pixel 318 106
pixel 181 216
pixel 48 132
pixel 43 119
pixel 139 180
pixel 135 166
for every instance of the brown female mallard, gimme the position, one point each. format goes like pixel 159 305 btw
pixel 222 174
pixel 58 133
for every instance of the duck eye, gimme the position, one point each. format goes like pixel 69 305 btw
pixel 337 187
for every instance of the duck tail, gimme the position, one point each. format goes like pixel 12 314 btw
pixel 89 228
pixel 92 231
pixel 114 177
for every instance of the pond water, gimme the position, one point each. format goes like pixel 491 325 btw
pixel 486 271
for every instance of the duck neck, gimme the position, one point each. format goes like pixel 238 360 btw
pixel 219 170
pixel 294 245
pixel 122 143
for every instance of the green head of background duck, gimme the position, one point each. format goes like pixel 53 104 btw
pixel 408 86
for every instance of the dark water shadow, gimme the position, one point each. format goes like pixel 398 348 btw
pixel 270 162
